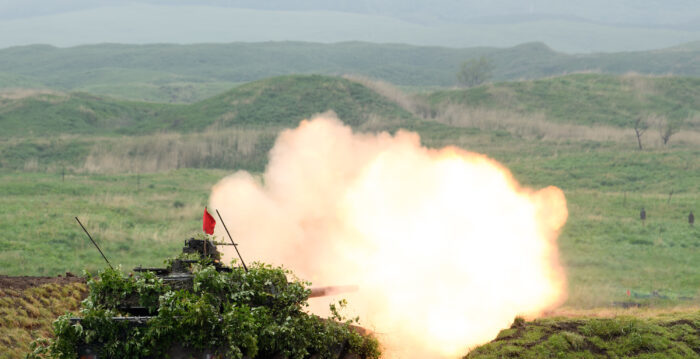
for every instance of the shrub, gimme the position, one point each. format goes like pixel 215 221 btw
pixel 256 313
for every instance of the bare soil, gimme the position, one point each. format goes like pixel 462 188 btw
pixel 24 282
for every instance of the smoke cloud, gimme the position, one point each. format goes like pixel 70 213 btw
pixel 446 248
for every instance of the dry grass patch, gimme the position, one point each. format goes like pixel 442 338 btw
pixel 27 314
pixel 642 86
pixel 168 151
pixel 609 312
pixel 21 93
pixel 392 93
pixel 537 127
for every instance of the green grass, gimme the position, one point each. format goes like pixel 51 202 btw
pixel 77 113
pixel 169 92
pixel 284 101
pixel 189 73
pixel 251 113
pixel 588 99
pixel 54 152
pixel 604 247
pixel 281 101
pixel 128 215
pixel 669 335
pixel 57 131
pixel 12 80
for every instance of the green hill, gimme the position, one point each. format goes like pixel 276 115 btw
pixel 256 111
pixel 586 99
pixel 47 129
pixel 10 80
pixel 668 335
pixel 45 113
pixel 275 102
pixel 284 101
pixel 187 73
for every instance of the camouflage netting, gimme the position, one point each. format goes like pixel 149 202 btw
pixel 236 314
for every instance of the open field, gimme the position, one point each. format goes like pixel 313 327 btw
pixel 605 248
pixel 137 219
pixel 140 219
pixel 141 191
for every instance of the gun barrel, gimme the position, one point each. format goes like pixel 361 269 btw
pixel 332 290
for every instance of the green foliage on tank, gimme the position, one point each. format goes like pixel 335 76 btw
pixel 256 314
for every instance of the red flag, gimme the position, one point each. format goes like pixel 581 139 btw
pixel 208 222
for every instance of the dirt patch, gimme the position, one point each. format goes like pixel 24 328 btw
pixel 21 93
pixel 24 282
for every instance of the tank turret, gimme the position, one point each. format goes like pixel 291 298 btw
pixel 178 274
pixel 137 306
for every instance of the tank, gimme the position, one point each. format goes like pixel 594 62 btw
pixel 179 276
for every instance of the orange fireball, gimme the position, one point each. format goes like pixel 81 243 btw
pixel 445 246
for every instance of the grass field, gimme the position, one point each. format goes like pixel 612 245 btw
pixel 137 219
pixel 140 192
pixel 605 248
pixel 606 251
pixel 141 195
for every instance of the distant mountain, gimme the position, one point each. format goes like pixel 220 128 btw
pixel 189 73
pixel 573 27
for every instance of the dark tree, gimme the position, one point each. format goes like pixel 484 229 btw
pixel 640 126
pixel 474 72
pixel 667 129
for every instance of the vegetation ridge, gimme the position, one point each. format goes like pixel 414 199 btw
pixel 187 73
pixel 274 102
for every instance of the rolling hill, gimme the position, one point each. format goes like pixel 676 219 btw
pixel 276 102
pixel 665 335
pixel 189 73
pixel 47 128
pixel 44 129
pixel 587 99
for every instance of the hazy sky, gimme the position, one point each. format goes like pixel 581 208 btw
pixel 644 12
pixel 570 26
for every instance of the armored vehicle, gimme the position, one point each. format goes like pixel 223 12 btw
pixel 178 276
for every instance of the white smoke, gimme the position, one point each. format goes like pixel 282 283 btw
pixel 444 245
